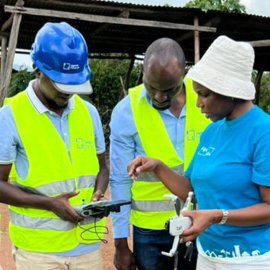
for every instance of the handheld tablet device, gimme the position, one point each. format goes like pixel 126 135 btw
pixel 102 208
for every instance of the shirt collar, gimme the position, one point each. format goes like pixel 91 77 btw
pixel 39 106
pixel 183 112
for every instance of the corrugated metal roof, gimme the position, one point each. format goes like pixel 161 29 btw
pixel 134 39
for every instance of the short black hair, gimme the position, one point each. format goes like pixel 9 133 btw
pixel 165 49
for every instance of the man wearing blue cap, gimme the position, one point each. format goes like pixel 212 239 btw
pixel 56 143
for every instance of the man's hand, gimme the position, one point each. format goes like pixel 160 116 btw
pixel 123 257
pixel 98 196
pixel 61 207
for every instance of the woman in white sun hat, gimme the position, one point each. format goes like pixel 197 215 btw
pixel 230 171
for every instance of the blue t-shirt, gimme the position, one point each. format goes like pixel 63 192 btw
pixel 231 162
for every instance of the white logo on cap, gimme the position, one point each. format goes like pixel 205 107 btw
pixel 69 66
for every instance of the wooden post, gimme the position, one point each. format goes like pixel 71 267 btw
pixel 196 41
pixel 125 82
pixel 127 78
pixel 124 14
pixel 106 19
pixel 10 55
pixel 258 86
pixel 211 23
pixel 3 57
pixel 140 77
pixel 260 43
pixel 4 39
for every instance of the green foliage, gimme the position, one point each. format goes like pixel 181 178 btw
pixel 264 100
pixel 108 90
pixel 19 82
pixel 232 6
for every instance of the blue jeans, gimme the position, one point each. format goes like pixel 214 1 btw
pixel 147 247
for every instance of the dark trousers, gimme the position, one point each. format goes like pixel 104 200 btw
pixel 147 247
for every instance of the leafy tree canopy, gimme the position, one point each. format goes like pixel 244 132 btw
pixel 232 6
pixel 19 82
pixel 264 99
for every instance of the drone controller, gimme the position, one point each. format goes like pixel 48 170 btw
pixel 100 208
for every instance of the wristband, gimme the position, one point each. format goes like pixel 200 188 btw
pixel 225 214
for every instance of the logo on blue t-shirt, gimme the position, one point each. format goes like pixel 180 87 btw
pixel 206 151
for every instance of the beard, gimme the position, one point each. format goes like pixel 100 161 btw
pixel 161 106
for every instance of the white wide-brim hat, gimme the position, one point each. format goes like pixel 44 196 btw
pixel 226 69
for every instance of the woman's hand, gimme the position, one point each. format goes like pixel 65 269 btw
pixel 201 220
pixel 142 164
pixel 177 184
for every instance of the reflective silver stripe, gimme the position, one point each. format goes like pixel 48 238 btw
pixel 56 188
pixel 147 177
pixel 86 182
pixel 45 223
pixel 151 177
pixel 152 206
pixel 59 187
pixel 40 223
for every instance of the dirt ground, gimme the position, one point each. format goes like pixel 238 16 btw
pixel 5 246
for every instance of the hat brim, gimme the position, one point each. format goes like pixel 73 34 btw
pixel 221 83
pixel 84 88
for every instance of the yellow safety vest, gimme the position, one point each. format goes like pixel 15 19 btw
pixel 54 171
pixel 6 101
pixel 149 209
